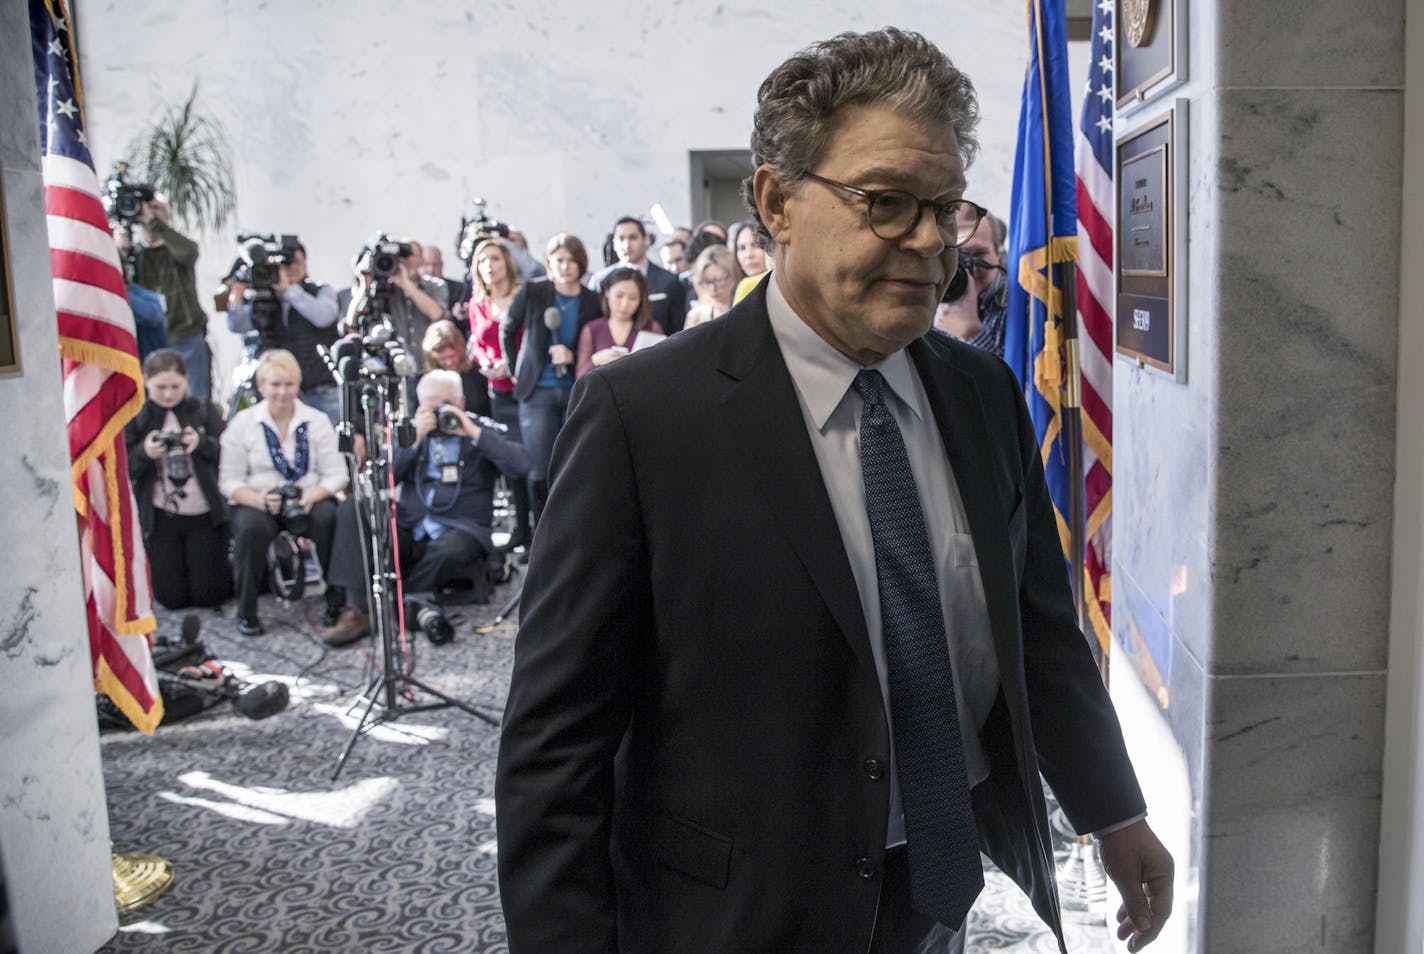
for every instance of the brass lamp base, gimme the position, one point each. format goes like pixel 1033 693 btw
pixel 139 880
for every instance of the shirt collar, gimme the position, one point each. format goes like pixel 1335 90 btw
pixel 822 374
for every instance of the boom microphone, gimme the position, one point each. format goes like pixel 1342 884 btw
pixel 552 321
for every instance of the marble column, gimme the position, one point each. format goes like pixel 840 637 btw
pixel 54 828
pixel 1254 502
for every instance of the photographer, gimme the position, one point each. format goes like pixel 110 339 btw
pixel 165 263
pixel 308 319
pixel 446 504
pixel 977 315
pixel 280 469
pixel 173 466
pixel 420 301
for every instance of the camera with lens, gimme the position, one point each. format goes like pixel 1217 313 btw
pixel 429 618
pixel 449 419
pixel 476 229
pixel 381 258
pixel 291 514
pixel 124 200
pixel 179 467
pixel 960 282
pixel 262 258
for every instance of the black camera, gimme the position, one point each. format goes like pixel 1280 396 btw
pixel 429 618
pixel 960 282
pixel 477 229
pixel 381 258
pixel 449 419
pixel 262 258
pixel 123 200
pixel 292 515
pixel 179 467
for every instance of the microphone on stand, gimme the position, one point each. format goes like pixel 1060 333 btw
pixel 552 320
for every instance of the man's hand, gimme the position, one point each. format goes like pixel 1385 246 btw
pixel 424 423
pixel 1142 870
pixel 469 428
pixel 123 239
pixel 284 279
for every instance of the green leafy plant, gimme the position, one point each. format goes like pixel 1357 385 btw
pixel 184 155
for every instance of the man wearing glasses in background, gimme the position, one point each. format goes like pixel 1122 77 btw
pixel 977 316
pixel 801 584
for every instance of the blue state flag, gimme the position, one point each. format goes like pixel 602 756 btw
pixel 1043 232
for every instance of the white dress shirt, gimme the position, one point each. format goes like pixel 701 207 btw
pixel 823 378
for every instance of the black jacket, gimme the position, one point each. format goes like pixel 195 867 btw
pixel 528 357
pixel 689 608
pixel 192 412
pixel 472 506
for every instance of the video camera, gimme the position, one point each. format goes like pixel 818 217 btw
pixel 476 229
pixel 960 282
pixel 381 257
pixel 262 258
pixel 124 200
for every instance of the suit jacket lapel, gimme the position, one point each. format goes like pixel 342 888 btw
pixel 764 414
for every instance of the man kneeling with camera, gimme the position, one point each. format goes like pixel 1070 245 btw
pixel 445 506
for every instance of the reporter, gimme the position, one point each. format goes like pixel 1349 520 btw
pixel 629 314
pixel 543 359
pixel 277 442
pixel 714 275
pixel 184 520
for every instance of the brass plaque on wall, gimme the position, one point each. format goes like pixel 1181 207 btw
pixel 1145 44
pixel 9 337
pixel 1145 246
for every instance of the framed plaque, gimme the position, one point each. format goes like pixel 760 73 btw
pixel 1149 49
pixel 9 338
pixel 1151 292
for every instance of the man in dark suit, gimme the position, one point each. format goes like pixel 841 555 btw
pixel 631 242
pixel 797 637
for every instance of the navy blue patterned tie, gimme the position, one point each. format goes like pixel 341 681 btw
pixel 941 837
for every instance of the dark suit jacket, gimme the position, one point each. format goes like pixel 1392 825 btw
pixel 472 510
pixel 689 599
pixel 665 293
pixel 528 355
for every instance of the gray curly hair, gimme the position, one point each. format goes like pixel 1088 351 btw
pixel 893 68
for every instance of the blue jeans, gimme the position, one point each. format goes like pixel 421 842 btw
pixel 195 355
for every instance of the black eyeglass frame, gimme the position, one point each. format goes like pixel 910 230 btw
pixel 870 196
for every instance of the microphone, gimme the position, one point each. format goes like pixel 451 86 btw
pixel 552 320
pixel 261 700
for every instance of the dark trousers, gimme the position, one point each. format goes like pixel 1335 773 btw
pixel 505 409
pixel 899 928
pixel 187 558
pixel 424 564
pixel 253 531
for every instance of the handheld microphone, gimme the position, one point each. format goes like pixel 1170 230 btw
pixel 552 321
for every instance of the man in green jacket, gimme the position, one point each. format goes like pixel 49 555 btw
pixel 166 264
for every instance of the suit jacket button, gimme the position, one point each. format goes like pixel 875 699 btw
pixel 865 868
pixel 874 769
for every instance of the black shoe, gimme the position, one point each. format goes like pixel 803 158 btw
pixel 249 625
pixel 523 558
pixel 332 614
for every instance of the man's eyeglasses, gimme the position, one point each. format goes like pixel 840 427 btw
pixel 892 213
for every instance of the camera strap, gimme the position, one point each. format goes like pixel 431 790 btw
pixel 293 472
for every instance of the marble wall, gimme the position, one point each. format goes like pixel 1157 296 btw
pixel 1253 519
pixel 54 826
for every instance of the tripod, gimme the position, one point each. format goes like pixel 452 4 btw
pixel 368 375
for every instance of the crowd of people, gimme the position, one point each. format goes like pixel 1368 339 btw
pixel 514 332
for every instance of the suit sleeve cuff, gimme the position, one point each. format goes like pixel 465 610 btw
pixel 1119 826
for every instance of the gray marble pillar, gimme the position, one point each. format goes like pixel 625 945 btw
pixel 54 827
pixel 1253 520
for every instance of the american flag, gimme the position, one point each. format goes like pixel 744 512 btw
pixel 1095 328
pixel 103 384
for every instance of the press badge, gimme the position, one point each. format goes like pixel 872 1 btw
pixel 449 473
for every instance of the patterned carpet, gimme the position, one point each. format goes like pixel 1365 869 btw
pixel 398 854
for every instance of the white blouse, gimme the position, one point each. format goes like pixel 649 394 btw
pixel 246 461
